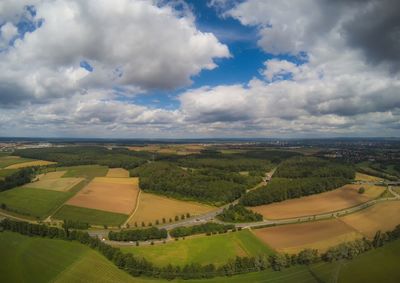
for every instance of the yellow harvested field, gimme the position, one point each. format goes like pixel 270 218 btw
pixel 382 216
pixel 319 235
pixel 367 178
pixel 30 164
pixel 108 194
pixel 180 149
pixel 117 173
pixel 51 175
pixel 342 198
pixel 153 207
pixel 54 184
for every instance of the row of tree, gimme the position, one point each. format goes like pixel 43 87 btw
pixel 279 189
pixel 152 233
pixel 239 213
pixel 19 178
pixel 138 266
pixel 206 228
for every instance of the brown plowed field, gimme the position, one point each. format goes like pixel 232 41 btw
pixel 342 198
pixel 317 235
pixel 109 194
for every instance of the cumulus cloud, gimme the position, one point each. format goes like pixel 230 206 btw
pixel 128 43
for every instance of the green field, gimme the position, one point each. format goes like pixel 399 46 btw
pixel 10 160
pixel 85 171
pixel 6 172
pixel 34 202
pixel 217 249
pixel 34 259
pixel 92 216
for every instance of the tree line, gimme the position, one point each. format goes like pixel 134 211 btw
pixel 152 233
pixel 16 179
pixel 139 266
pixel 239 213
pixel 206 228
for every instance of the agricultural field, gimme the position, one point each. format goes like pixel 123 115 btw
pixel 344 197
pixel 84 171
pixel 35 259
pixel 367 178
pixel 9 160
pixel 30 164
pixel 381 216
pixel 117 173
pixel 91 216
pixel 6 172
pixel 117 195
pixel 217 249
pixel 53 181
pixel 318 235
pixel 183 149
pixel 153 207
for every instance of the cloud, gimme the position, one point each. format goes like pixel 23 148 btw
pixel 141 44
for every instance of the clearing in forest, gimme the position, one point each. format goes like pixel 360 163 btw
pixel 342 198
pixel 109 194
pixel 316 235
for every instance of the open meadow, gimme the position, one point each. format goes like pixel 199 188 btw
pixel 381 216
pixel 153 207
pixel 117 195
pixel 341 198
pixel 318 235
pixel 201 249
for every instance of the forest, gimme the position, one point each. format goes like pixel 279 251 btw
pixel 152 233
pixel 238 213
pixel 19 178
pixel 206 228
pixel 300 176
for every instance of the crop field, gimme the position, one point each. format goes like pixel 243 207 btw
pixel 35 259
pixel 30 164
pixel 367 178
pixel 84 171
pixel 91 216
pixel 33 202
pixel 152 207
pixel 344 197
pixel 53 181
pixel 109 194
pixel 183 149
pixel 318 235
pixel 6 161
pixel 117 173
pixel 381 216
pixel 217 249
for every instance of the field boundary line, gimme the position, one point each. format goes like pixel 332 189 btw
pixel 136 208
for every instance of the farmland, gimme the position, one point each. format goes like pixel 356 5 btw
pixel 91 216
pixel 217 249
pixel 53 181
pixel 367 178
pixel 382 216
pixel 296 237
pixel 344 197
pixel 30 164
pixel 117 195
pixel 84 171
pixel 154 207
pixel 6 161
pixel 117 173
pixel 184 149
pixel 27 259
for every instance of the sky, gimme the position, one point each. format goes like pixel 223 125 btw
pixel 200 68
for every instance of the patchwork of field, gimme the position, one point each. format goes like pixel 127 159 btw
pixel 53 181
pixel 35 259
pixel 152 207
pixel 381 216
pixel 117 195
pixel 6 161
pixel 342 198
pixel 217 249
pixel 367 178
pixel 117 173
pixel 30 164
pixel 317 235
pixel 91 216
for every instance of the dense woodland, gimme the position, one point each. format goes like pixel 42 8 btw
pixel 152 233
pixel 206 228
pixel 239 213
pixel 207 185
pixel 139 266
pixel 70 156
pixel 300 176
pixel 19 178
